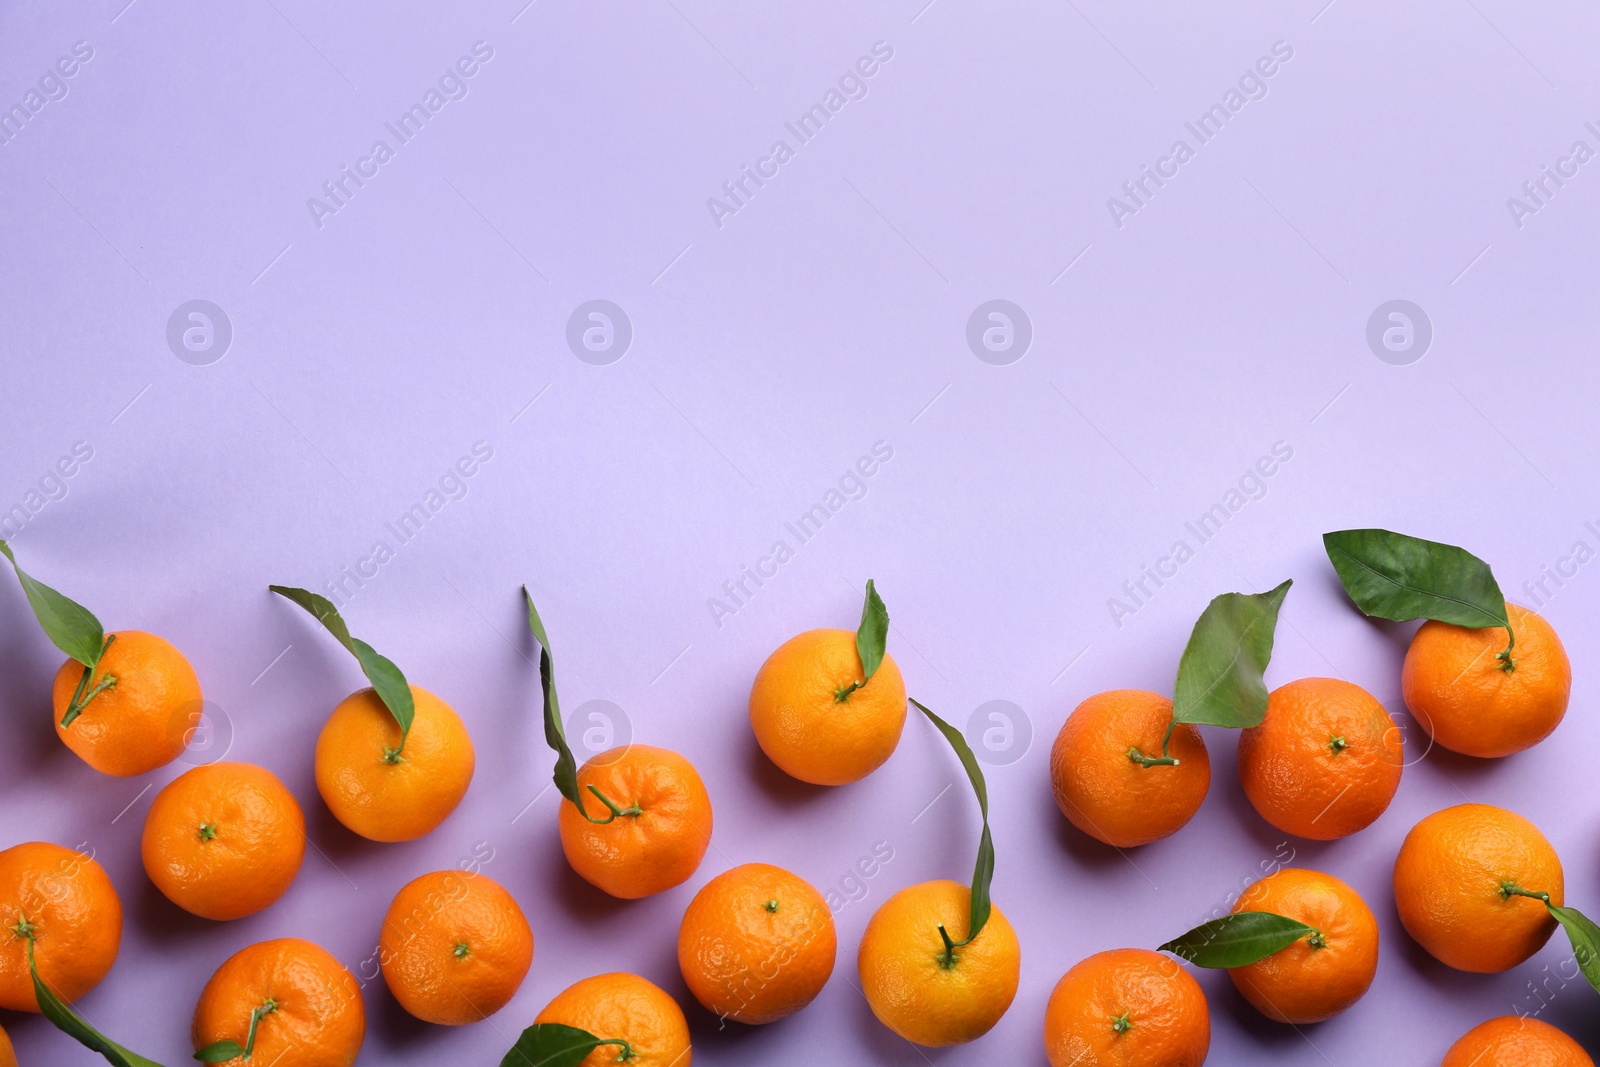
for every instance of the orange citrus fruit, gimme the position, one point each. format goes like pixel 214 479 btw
pixel 811 722
pixel 662 828
pixel 1325 762
pixel 1515 1041
pixel 387 797
pixel 1112 797
pixel 1459 885
pixel 455 947
pixel 8 1055
pixel 66 901
pixel 911 987
pixel 1457 688
pixel 312 1010
pixel 1128 1007
pixel 1316 977
pixel 224 841
pixel 623 1007
pixel 756 944
pixel 143 716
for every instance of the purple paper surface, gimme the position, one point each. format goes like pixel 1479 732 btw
pixel 984 271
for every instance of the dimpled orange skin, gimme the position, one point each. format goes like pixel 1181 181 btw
pixel 1447 887
pixel 1110 797
pixel 1510 1041
pixel 76 915
pixel 319 1020
pixel 1325 762
pixel 756 944
pixel 636 856
pixel 8 1055
pixel 455 947
pixel 144 720
pixel 1456 689
pixel 1302 984
pixel 224 841
pixel 1166 1022
pixel 400 801
pixel 912 992
pixel 806 731
pixel 626 1007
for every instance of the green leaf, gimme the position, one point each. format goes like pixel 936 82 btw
pixel 72 1024
pixel 387 680
pixel 983 870
pixel 1237 940
pixel 566 771
pixel 69 625
pixel 1585 937
pixel 220 1052
pixel 552 1045
pixel 872 636
pixel 1220 676
pixel 1393 576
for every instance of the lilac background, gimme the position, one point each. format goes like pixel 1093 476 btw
pixel 768 355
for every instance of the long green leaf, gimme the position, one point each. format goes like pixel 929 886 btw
pixel 552 1045
pixel 73 1025
pixel 1394 576
pixel 1237 940
pixel 387 680
pixel 983 870
pixel 1221 674
pixel 1585 937
pixel 70 626
pixel 565 775
pixel 872 635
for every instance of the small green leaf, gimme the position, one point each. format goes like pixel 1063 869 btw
pixel 1585 937
pixel 872 636
pixel 69 625
pixel 1393 576
pixel 220 1052
pixel 1220 676
pixel 1237 940
pixel 387 680
pixel 983 870
pixel 553 1045
pixel 72 1024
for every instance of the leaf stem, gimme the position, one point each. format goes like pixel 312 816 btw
pixel 633 810
pixel 80 699
pixel 1166 759
pixel 627 1054
pixel 947 958
pixel 1511 889
pixel 1508 664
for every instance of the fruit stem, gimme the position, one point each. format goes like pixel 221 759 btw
pixel 633 810
pixel 462 950
pixel 772 907
pixel 627 1052
pixel 208 832
pixel 1316 940
pixel 1338 744
pixel 947 958
pixel 267 1007
pixel 1507 664
pixel 1121 1023
pixel 1166 759
pixel 23 927
pixel 1511 889
pixel 841 694
pixel 80 699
